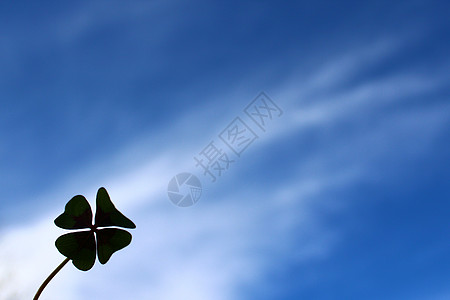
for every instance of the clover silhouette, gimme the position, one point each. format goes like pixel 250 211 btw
pixel 81 246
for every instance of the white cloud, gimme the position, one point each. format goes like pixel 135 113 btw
pixel 212 249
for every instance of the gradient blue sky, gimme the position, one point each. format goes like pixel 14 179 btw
pixel 346 196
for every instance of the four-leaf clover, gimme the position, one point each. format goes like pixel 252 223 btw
pixel 81 246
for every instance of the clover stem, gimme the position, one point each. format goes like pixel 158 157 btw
pixel 49 278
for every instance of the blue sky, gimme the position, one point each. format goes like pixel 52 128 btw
pixel 344 196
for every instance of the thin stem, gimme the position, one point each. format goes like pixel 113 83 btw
pixel 50 277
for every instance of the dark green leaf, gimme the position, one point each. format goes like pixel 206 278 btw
pixel 107 214
pixel 110 240
pixel 79 247
pixel 77 214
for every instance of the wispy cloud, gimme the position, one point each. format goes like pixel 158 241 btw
pixel 237 233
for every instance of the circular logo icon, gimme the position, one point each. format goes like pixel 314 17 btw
pixel 184 189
